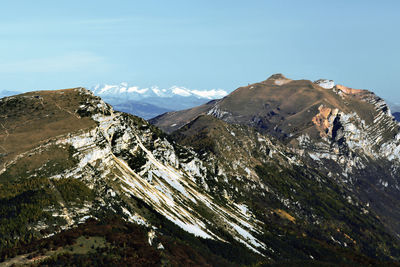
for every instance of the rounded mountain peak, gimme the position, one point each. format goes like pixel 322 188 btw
pixel 277 76
pixel 277 79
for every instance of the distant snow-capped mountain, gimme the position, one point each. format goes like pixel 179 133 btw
pixel 153 101
pixel 134 92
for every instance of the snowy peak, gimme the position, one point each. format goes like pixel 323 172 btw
pixel 135 92
pixel 152 101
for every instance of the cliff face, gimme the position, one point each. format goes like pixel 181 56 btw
pixel 137 160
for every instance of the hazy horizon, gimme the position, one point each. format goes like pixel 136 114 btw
pixel 207 45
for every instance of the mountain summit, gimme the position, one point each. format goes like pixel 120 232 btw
pixel 289 108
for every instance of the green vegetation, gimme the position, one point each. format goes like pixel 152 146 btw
pixel 338 219
pixel 113 241
pixel 94 244
pixel 47 162
pixel 183 154
pixel 30 202
pixel 137 161
pixel 73 190
pixel 21 205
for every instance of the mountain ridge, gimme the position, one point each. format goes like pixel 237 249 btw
pixel 246 195
pixel 304 94
pixel 107 144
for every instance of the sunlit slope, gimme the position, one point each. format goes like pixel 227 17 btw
pixel 35 117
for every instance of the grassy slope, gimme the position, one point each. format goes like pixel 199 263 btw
pixel 278 109
pixel 172 121
pixel 22 119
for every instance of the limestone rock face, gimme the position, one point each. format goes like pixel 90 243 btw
pixel 348 90
pixel 326 84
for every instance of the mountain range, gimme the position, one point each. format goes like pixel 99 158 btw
pixel 150 102
pixel 277 173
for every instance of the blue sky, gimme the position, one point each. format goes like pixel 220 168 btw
pixel 199 44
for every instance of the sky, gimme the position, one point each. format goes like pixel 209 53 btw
pixel 199 44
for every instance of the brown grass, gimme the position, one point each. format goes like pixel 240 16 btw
pixel 288 107
pixel 32 118
pixel 284 215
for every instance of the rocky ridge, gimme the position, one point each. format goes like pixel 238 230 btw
pixel 222 181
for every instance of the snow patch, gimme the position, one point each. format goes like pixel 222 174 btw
pixel 182 91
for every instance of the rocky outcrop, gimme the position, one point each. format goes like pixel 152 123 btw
pixel 324 121
pixel 348 90
pixel 326 84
